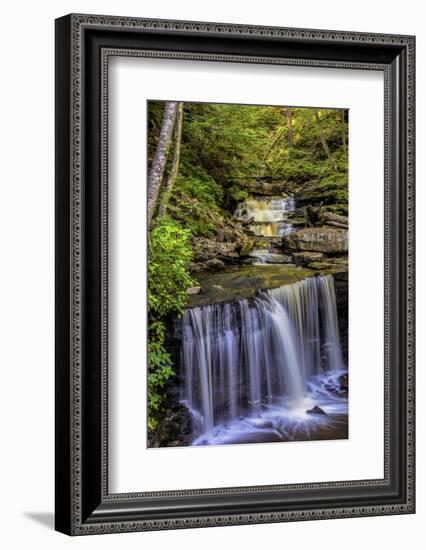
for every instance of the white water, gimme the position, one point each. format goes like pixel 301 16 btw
pixel 252 369
pixel 269 215
pixel 269 219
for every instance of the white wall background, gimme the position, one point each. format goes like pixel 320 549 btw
pixel 26 289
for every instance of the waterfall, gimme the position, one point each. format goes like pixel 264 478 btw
pixel 268 216
pixel 243 358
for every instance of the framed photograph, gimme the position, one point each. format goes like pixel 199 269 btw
pixel 234 274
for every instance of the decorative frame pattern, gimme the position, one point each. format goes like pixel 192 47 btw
pixel 85 507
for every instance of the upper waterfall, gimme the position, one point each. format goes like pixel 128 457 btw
pixel 268 216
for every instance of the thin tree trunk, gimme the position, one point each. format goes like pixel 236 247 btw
pixel 159 163
pixel 322 138
pixel 342 118
pixel 278 135
pixel 175 163
pixel 290 138
pixel 274 142
pixel 344 139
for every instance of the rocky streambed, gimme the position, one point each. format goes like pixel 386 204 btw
pixel 270 230
pixel 231 271
pixel 245 281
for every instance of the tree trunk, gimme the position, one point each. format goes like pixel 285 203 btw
pixel 322 138
pixel 159 163
pixel 344 138
pixel 279 133
pixel 342 118
pixel 290 138
pixel 274 142
pixel 175 163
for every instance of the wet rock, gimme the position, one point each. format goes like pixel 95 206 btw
pixel 298 217
pixel 245 246
pixel 318 239
pixel 269 258
pixel 342 296
pixel 320 266
pixel 244 281
pixel 266 242
pixel 175 443
pixel 344 382
pixel 279 259
pixel 305 258
pixel 339 261
pixel 206 249
pixel 316 410
pixel 214 264
pixel 197 267
pixel 274 243
pixel 267 425
pixel 174 430
pixel 337 221
pixel 193 290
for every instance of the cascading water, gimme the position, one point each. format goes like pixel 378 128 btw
pixel 253 368
pixel 268 216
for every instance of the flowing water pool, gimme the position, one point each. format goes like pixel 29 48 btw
pixel 266 369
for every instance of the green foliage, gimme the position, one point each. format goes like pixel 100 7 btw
pixel 168 279
pixel 332 192
pixel 197 199
pixel 237 193
pixel 199 185
pixel 196 215
pixel 226 153
pixel 226 148
pixel 160 369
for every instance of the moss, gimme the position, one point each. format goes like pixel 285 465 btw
pixel 237 283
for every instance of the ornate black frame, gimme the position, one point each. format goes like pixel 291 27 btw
pixel 83 46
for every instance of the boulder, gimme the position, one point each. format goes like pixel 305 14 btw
pixel 206 249
pixel 321 266
pixel 329 264
pixel 174 430
pixel 316 410
pixel 277 259
pixel 245 246
pixel 318 239
pixel 305 258
pixel 272 243
pixel 339 261
pixel 193 290
pixel 214 264
pixel 198 267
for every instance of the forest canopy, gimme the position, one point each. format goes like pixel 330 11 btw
pixel 226 149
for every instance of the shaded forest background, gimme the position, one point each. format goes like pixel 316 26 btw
pixel 203 159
